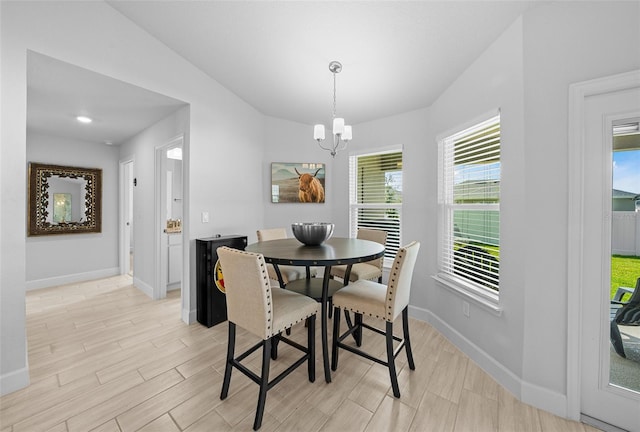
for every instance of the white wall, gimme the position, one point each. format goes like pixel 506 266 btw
pixel 564 43
pixel 225 139
pixel 287 141
pixel 57 259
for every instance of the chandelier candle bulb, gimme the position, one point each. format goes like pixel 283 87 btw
pixel 346 135
pixel 318 132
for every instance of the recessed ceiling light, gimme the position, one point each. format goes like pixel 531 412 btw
pixel 108 143
pixel 84 119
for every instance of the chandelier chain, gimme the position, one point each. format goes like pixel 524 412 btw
pixel 334 95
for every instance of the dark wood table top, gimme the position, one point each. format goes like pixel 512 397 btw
pixel 335 251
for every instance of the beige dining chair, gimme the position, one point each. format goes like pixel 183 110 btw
pixel 369 270
pixel 264 311
pixel 365 297
pixel 288 272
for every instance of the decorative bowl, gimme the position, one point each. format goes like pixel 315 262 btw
pixel 312 233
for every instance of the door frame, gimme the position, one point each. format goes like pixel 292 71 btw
pixel 160 243
pixel 125 191
pixel 578 93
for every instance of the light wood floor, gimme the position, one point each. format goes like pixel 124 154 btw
pixel 104 357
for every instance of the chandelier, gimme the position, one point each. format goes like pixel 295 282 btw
pixel 341 132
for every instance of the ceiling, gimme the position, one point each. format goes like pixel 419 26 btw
pixel 397 56
pixel 57 92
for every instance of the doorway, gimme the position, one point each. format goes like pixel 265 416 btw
pixel 169 192
pixel 596 107
pixel 126 216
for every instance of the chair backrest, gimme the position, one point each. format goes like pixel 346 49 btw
pixel 378 236
pixel 629 313
pixel 248 290
pixel 399 286
pixel 271 234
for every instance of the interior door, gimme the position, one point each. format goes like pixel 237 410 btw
pixel 599 398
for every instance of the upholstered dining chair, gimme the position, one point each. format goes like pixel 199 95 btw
pixel 264 311
pixel 368 270
pixel 386 303
pixel 288 273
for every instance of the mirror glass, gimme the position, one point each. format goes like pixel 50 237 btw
pixel 64 200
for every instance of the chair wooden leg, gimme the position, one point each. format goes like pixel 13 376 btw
pixel 330 311
pixel 391 361
pixel 264 383
pixel 358 333
pixel 228 366
pixel 311 346
pixel 334 343
pixel 407 342
pixel 274 347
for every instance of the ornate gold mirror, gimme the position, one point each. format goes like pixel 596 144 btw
pixel 64 200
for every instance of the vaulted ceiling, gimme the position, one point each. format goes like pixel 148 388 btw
pixel 396 55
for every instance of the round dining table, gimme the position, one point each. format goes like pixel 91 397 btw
pixel 335 251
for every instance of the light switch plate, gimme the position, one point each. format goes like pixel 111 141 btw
pixel 205 217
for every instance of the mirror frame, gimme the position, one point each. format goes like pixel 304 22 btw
pixel 39 174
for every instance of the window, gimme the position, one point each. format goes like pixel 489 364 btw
pixel 469 175
pixel 375 195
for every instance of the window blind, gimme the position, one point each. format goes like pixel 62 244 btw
pixel 470 200
pixel 375 195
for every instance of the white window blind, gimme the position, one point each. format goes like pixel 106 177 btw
pixel 375 195
pixel 470 205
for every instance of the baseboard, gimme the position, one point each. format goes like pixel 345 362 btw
pixel 71 278
pixel 528 393
pixel 189 316
pixel 14 381
pixel 143 286
pixel 544 399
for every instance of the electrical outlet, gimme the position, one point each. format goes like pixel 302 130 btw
pixel 205 217
pixel 465 308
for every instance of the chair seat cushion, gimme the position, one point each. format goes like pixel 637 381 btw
pixel 290 273
pixel 290 308
pixel 358 271
pixel 363 296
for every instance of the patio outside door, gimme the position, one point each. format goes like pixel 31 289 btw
pixel 599 398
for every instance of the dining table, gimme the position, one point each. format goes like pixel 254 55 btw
pixel 332 252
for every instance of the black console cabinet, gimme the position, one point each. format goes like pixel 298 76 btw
pixel 211 301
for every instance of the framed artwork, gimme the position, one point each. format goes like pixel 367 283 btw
pixel 297 182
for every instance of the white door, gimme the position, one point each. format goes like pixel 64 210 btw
pixel 599 398
pixel 126 217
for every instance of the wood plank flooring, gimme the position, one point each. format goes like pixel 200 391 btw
pixel 104 357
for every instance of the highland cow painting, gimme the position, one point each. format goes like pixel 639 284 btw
pixel 297 182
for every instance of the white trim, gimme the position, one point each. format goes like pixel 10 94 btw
pixel 468 124
pixel 14 380
pixel 578 92
pixel 71 278
pixel 377 150
pixel 528 393
pixel 160 252
pixel 144 287
pixel 189 316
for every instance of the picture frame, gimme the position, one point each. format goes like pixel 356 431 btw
pixel 64 200
pixel 297 182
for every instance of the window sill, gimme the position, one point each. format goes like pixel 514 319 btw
pixel 486 300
